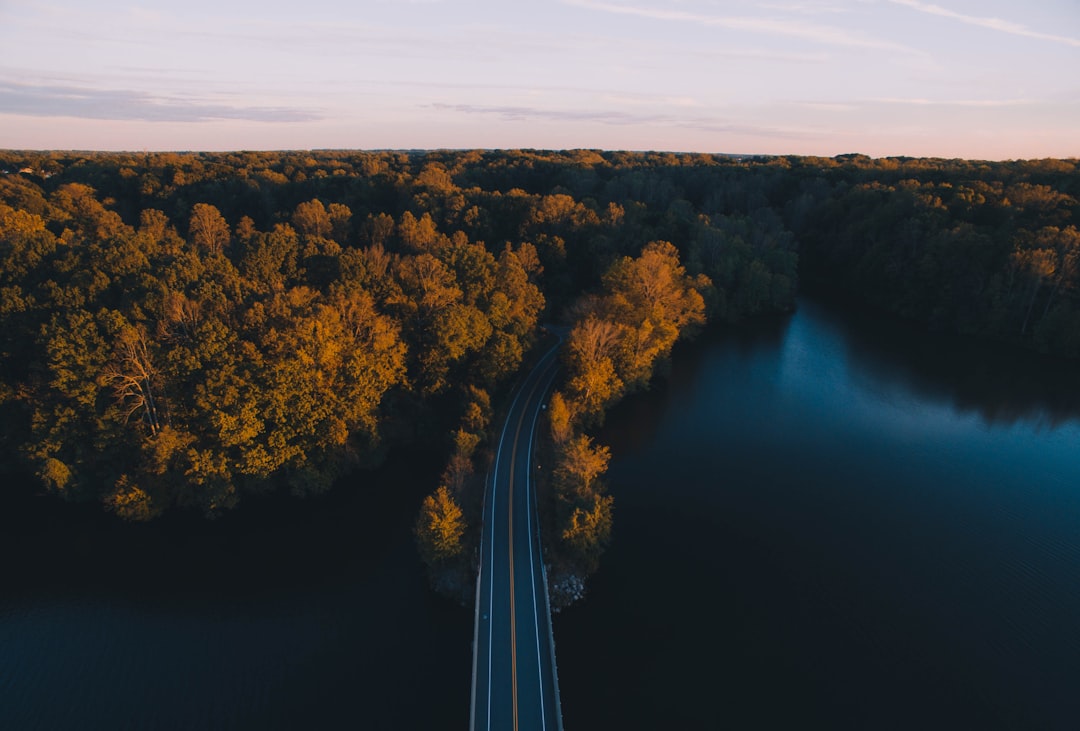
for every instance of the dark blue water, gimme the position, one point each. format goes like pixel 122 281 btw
pixel 822 521
pixel 830 522
pixel 285 615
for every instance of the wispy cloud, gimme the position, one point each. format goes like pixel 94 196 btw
pixel 640 100
pixel 920 102
pixel 791 28
pixel 815 8
pixel 1004 26
pixel 762 54
pixel 620 118
pixel 520 113
pixel 825 106
pixel 88 103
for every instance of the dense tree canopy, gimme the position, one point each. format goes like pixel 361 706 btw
pixel 184 329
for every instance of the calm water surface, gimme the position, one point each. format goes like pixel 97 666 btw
pixel 285 615
pixel 822 523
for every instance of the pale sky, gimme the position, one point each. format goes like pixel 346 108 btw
pixel 984 79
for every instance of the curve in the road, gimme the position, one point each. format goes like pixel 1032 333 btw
pixel 533 692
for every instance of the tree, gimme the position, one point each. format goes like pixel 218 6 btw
pixel 130 501
pixel 180 315
pixel 24 244
pixel 592 380
pixel 440 528
pixel 418 235
pixel 207 228
pixel 559 418
pixel 588 530
pixel 311 219
pixel 245 229
pixel 340 219
pixel 133 378
pixel 655 300
pixel 580 463
pixel 153 223
pixel 77 204
pixel 428 283
pixel 378 229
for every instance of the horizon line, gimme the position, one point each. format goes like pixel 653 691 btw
pixel 426 150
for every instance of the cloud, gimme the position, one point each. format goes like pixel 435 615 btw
pixel 618 118
pixel 760 54
pixel 918 102
pixel 815 8
pixel 997 24
pixel 791 28
pixel 519 114
pixel 826 106
pixel 87 103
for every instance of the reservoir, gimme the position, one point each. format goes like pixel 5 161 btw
pixel 821 520
pixel 834 521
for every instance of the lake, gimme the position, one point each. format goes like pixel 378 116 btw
pixel 282 615
pixel 834 521
pixel 822 520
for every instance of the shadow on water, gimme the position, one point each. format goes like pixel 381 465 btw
pixel 836 521
pixel 284 614
pixel 1002 384
pixel 634 422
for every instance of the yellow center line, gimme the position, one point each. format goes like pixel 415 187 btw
pixel 510 507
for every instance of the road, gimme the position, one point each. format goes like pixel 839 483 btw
pixel 515 685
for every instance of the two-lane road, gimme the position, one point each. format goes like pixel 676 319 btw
pixel 514 679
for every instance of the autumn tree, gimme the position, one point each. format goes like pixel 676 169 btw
pixel 77 205
pixel 1050 263
pixel 440 528
pixel 593 382
pixel 288 357
pixel 417 234
pixel 207 228
pixel 559 419
pixel 153 224
pixel 656 302
pixel 340 221
pixel 311 219
pixel 580 463
pixel 587 531
pixel 135 381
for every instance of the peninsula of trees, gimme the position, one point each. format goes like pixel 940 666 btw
pixel 185 329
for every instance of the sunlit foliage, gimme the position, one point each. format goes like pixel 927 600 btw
pixel 186 329
pixel 440 528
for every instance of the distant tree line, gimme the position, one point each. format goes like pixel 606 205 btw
pixel 983 249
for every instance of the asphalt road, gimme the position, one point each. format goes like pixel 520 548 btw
pixel 514 679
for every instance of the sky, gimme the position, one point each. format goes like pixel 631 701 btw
pixel 977 79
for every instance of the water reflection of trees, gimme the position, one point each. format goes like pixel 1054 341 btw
pixel 1003 385
pixel 632 424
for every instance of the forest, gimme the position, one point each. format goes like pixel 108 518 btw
pixel 181 330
